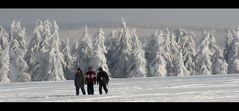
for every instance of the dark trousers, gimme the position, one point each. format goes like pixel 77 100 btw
pixel 82 89
pixel 104 86
pixel 90 88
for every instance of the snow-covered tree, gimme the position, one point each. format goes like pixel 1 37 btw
pixel 110 44
pixel 219 65
pixel 99 58
pixel 62 45
pixel 42 32
pixel 180 68
pixel 171 51
pixel 152 44
pixel 234 67
pixel 156 62
pixel 121 58
pixel 74 49
pixel 138 68
pixel 34 46
pixel 166 42
pixel 99 42
pixel 45 38
pixel 85 51
pixel 4 39
pixel 174 47
pixel 228 45
pixel 5 66
pixel 158 66
pixel 205 54
pixel 69 61
pixel 56 62
pixel 18 67
pixel 233 53
pixel 212 44
pixel 204 63
pixel 50 59
pixel 187 45
pixel 127 56
pixel 74 54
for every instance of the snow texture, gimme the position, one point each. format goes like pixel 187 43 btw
pixel 215 88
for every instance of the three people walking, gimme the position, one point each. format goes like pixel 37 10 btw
pixel 90 79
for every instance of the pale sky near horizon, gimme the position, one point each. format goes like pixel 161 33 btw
pixel 190 17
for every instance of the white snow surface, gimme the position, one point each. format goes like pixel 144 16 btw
pixel 199 88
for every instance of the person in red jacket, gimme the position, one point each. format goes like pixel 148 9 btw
pixel 90 81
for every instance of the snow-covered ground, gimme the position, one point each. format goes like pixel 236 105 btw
pixel 169 89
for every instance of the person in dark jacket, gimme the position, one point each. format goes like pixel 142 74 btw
pixel 79 81
pixel 90 81
pixel 102 80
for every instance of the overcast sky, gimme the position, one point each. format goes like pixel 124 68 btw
pixel 191 17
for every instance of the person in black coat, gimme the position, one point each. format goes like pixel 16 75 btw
pixel 79 81
pixel 102 80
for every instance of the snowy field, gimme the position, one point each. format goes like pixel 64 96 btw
pixel 168 89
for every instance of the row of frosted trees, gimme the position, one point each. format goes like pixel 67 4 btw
pixel 166 54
